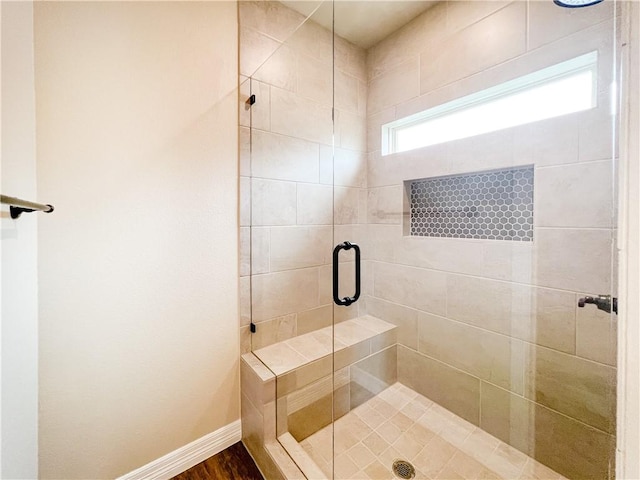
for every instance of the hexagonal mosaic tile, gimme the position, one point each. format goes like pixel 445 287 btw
pixel 495 205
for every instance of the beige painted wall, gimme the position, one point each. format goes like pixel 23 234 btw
pixel 137 150
pixel 19 298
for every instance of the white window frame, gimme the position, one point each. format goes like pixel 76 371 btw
pixel 546 76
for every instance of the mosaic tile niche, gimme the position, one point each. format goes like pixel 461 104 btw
pixel 490 205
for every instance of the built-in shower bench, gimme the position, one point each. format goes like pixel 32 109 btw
pixel 297 386
pixel 350 340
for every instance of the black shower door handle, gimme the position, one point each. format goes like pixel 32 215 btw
pixel 346 301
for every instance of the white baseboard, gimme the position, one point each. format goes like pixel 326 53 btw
pixel 186 457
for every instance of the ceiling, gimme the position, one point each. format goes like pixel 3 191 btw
pixel 362 22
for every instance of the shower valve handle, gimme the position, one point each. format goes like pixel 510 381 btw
pixel 603 302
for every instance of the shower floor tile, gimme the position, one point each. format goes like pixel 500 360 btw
pixel 400 423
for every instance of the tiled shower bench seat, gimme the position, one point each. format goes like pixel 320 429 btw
pixel 353 340
pixel 293 388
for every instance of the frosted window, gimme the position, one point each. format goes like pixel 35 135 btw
pixel 557 90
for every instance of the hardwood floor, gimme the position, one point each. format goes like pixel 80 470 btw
pixel 233 463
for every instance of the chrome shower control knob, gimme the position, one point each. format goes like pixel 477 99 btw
pixel 604 302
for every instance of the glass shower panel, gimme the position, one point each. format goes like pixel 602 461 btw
pixel 480 347
pixel 291 220
pixel 483 341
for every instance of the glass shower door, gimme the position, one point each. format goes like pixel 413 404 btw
pixel 484 342
pixel 289 181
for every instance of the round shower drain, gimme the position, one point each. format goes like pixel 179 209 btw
pixel 403 469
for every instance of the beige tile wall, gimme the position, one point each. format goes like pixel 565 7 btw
pixel 288 170
pixel 490 329
pixel 258 403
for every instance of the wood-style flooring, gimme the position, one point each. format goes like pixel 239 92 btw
pixel 233 463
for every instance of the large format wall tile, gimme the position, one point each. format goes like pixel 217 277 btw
pixel 244 113
pixel 302 376
pixel 269 17
pixel 384 205
pixel 382 242
pixel 245 340
pixel 461 14
pixel 394 86
pixel 407 42
pixel 273 331
pixel 299 117
pixel 314 319
pixel 548 23
pixel 572 448
pixel 261 110
pixel 414 287
pixel 484 44
pixel 506 416
pixel 279 70
pixel 313 39
pixel 299 247
pixel 279 157
pixel 373 374
pixel 245 201
pixel 253 425
pixel 350 131
pixel 345 168
pixel 405 318
pixel 346 205
pixel 346 93
pixel 245 251
pixel 596 127
pixel 493 150
pixel 579 388
pixel 260 250
pixel 481 302
pixel 485 258
pixel 490 356
pixel 255 48
pixel 537 315
pixel 350 58
pixel 574 259
pixel 245 301
pixel 353 233
pixel 325 289
pixel 449 387
pixel 574 195
pixel 513 261
pixel 553 142
pixel 276 294
pixel 314 204
pixel 244 152
pixel 272 202
pixel 545 317
pixel 326 164
pixel 374 126
pixel 315 79
pixel 560 442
